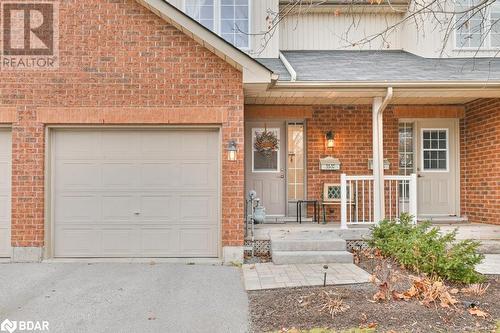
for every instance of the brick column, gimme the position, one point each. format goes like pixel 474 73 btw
pixel 233 185
pixel 28 153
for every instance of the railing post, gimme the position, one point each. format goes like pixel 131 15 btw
pixel 343 201
pixel 413 197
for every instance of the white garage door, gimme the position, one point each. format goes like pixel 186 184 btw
pixel 135 193
pixel 5 181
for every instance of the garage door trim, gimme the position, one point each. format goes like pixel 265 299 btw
pixel 50 177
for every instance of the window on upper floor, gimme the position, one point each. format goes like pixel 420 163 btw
pixel 228 18
pixel 477 28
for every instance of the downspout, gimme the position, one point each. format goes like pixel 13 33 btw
pixel 378 108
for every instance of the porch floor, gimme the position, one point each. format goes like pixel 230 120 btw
pixel 478 231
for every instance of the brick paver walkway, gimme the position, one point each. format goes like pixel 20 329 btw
pixel 271 276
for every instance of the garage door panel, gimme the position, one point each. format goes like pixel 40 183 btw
pixel 118 208
pixel 5 191
pixel 141 193
pixel 199 174
pixel 157 241
pixel 119 241
pixel 197 208
pixel 117 144
pixel 4 176
pixel 158 144
pixel 162 207
pixel 160 174
pixel 77 207
pixel 197 145
pixel 77 145
pixel 119 174
pixel 77 241
pixel 4 241
pixel 197 241
pixel 76 173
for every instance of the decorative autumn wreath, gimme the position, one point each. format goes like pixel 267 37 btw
pixel 266 142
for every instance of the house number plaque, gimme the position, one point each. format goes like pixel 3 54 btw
pixel 329 163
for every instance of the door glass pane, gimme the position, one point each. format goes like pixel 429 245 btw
pixel 406 157
pixel 435 149
pixel 265 151
pixel 295 161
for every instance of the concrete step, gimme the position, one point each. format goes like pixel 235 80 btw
pixel 308 245
pixel 490 246
pixel 311 257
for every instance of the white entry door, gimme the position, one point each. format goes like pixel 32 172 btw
pixel 437 157
pixel 5 190
pixel 266 172
pixel 135 193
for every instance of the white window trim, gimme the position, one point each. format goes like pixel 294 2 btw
pixel 278 169
pixel 485 46
pixel 422 150
pixel 217 21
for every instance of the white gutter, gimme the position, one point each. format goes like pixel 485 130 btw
pixel 289 68
pixel 378 108
pixel 384 84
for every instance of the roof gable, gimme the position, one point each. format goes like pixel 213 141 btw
pixel 253 71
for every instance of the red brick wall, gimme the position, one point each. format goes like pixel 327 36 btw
pixel 116 54
pixel 480 161
pixel 352 126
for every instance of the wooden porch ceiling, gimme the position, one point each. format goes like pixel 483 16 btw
pixel 363 96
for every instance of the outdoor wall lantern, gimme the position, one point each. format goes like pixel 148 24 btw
pixel 231 150
pixel 329 139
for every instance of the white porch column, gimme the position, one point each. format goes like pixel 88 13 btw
pixel 378 161
pixel 378 108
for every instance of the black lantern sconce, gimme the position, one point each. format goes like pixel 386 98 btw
pixel 232 150
pixel 330 139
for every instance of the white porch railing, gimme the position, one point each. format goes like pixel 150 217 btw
pixel 357 199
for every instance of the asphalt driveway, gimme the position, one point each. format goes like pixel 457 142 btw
pixel 122 297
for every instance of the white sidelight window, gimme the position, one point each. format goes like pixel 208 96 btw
pixel 477 26
pixel 228 18
pixel 406 157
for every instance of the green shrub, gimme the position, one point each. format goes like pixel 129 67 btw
pixel 425 249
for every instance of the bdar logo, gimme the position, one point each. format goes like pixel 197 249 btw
pixel 29 35
pixel 8 326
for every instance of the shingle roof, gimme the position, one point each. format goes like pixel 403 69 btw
pixel 382 66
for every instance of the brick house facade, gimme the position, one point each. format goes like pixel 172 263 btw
pixel 480 161
pixel 139 71
pixel 135 70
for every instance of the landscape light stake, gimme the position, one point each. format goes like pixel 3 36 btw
pixel 325 267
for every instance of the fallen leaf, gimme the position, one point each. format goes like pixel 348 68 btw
pixel 372 325
pixel 454 291
pixel 379 296
pixel 478 312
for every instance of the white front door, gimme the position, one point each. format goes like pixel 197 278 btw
pixel 437 156
pixel 265 172
pixel 5 189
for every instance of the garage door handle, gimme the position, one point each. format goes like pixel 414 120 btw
pixel 136 213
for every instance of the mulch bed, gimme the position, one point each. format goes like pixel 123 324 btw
pixel 280 309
